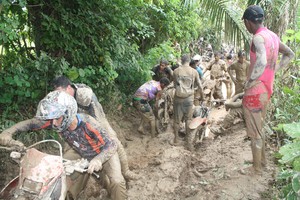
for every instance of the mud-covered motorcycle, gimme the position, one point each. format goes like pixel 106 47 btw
pixel 164 108
pixel 45 176
pixel 198 124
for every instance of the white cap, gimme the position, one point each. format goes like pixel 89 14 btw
pixel 197 57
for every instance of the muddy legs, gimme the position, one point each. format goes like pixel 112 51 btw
pixel 153 128
pixel 190 135
pixel 257 149
pixel 141 127
pixel 129 175
pixel 176 129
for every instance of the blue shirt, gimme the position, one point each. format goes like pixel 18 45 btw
pixel 200 71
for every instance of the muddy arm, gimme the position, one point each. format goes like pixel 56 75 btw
pixel 6 137
pixel 96 110
pixel 287 56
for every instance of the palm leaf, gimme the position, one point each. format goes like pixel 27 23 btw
pixel 227 20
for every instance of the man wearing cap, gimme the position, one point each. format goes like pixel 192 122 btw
pixel 197 58
pixel 196 64
pixel 264 50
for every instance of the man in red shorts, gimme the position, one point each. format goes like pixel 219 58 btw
pixel 264 51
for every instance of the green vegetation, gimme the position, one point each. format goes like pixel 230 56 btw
pixel 286 123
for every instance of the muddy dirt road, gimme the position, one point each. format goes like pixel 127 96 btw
pixel 212 172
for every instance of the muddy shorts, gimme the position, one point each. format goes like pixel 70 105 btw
pixel 183 108
pixel 255 109
pixel 144 109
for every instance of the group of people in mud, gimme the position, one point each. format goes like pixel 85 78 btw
pixel 200 83
pixel 73 110
pixel 195 83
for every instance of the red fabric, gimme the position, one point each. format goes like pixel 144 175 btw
pixel 252 98
pixel 271 41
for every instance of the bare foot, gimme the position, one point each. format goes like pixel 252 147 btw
pixel 250 171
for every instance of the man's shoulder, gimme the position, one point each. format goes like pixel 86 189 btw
pixel 88 119
pixel 155 68
pixel 234 64
pixel 177 70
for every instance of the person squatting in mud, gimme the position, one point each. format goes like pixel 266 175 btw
pixel 185 79
pixel 209 87
pixel 264 50
pixel 234 115
pixel 87 103
pixel 147 92
pixel 83 133
pixel 240 67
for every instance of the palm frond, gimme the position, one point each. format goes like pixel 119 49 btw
pixel 227 20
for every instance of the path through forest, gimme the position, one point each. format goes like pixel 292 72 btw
pixel 213 171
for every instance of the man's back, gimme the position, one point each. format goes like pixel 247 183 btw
pixel 184 81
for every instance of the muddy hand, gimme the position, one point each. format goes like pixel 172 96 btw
pixel 7 140
pixel 95 165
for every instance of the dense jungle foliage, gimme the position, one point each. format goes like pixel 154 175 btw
pixel 112 45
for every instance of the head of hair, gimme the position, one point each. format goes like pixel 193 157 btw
pixel 217 53
pixel 175 66
pixel 229 56
pixel 241 53
pixel 164 61
pixel 61 81
pixel 164 81
pixel 192 63
pixel 185 59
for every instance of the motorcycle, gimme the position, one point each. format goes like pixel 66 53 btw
pixel 198 124
pixel 164 108
pixel 45 176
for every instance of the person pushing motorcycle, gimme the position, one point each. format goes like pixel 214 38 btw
pixel 88 103
pixel 83 133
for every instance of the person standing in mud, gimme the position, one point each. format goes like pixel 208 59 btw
pixel 240 67
pixel 197 60
pixel 264 50
pixel 141 98
pixel 162 70
pixel 185 78
pixel 197 95
pixel 217 69
pixel 58 111
pixel 87 103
